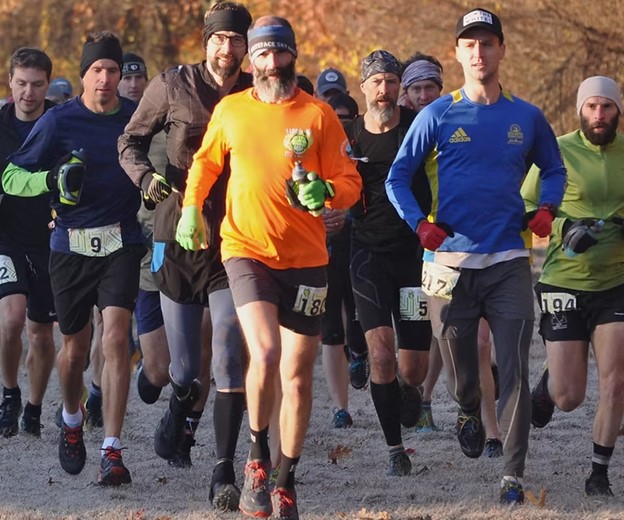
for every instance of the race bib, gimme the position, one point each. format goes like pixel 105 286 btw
pixel 439 280
pixel 99 241
pixel 413 304
pixel 310 301
pixel 7 270
pixel 553 302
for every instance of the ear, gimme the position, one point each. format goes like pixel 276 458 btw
pixel 503 50
pixel 362 87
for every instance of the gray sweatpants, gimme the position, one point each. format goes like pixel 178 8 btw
pixel 502 294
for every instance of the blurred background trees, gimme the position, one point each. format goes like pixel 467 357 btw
pixel 551 45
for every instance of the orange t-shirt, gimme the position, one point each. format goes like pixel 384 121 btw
pixel 264 140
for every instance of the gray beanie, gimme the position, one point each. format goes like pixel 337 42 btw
pixel 598 86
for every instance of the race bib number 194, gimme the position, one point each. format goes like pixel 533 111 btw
pixel 310 301
pixel 553 302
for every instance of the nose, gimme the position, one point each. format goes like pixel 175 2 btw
pixel 272 60
pixel 227 45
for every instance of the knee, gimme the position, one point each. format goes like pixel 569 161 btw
pixel 414 374
pixel 74 354
pixel 569 399
pixel 11 327
pixel 115 342
pixel 40 336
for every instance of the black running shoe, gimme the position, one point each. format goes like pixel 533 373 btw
pixel 470 433
pixel 493 449
pixel 399 465
pixel 169 437
pixel 410 405
pixel 598 484
pixel 94 413
pixel 224 497
pixel 148 392
pixel 359 370
pixel 31 425
pixel 72 451
pixel 182 457
pixel 112 470
pixel 10 410
pixel 284 504
pixel 542 406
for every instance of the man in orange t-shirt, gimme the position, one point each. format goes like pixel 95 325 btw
pixel 273 246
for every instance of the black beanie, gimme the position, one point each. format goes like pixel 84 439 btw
pixel 109 48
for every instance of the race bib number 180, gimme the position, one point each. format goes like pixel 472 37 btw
pixel 439 280
pixel 100 241
pixel 413 304
pixel 310 301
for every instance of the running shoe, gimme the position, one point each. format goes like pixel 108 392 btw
pixel 224 497
pixel 10 410
pixel 470 433
pixel 284 504
pixel 425 421
pixel 182 457
pixel 359 370
pixel 399 465
pixel 493 448
pixel 511 492
pixel 148 392
pixel 542 406
pixel 31 425
pixel 94 412
pixel 341 419
pixel 72 451
pixel 410 405
pixel 597 484
pixel 255 499
pixel 112 469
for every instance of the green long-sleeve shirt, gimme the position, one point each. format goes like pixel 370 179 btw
pixel 595 189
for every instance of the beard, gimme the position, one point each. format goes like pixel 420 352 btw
pixel 602 138
pixel 225 71
pixel 383 115
pixel 275 85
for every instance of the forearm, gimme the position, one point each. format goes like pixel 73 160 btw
pixel 22 183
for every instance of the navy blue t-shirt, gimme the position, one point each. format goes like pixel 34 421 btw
pixel 108 195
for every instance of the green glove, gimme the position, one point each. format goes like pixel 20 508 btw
pixel 313 194
pixel 191 230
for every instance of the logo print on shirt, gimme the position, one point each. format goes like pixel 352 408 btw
pixel 297 141
pixel 459 136
pixel 515 135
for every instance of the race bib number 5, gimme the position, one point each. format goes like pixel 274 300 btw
pixel 413 304
pixel 7 270
pixel 100 241
pixel 439 280
pixel 310 301
pixel 554 302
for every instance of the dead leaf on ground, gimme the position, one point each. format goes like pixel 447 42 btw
pixel 363 514
pixel 338 452
pixel 539 502
pixel 162 480
pixel 410 451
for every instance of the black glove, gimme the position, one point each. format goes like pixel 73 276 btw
pixel 73 173
pixel 580 235
pixel 155 188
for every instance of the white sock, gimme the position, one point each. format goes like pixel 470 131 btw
pixel 112 442
pixel 73 420
pixel 511 478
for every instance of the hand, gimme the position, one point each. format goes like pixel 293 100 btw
pixel 579 236
pixel 313 194
pixel 155 187
pixel 191 230
pixel 539 221
pixel 334 220
pixel 73 176
pixel 432 235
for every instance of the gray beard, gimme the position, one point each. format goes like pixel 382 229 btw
pixel 272 90
pixel 383 115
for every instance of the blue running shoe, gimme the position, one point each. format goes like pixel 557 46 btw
pixel 511 492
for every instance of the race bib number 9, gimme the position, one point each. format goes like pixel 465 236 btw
pixel 310 301
pixel 7 270
pixel 439 280
pixel 413 304
pixel 100 241
pixel 553 302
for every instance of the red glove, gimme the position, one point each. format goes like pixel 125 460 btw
pixel 432 235
pixel 541 222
